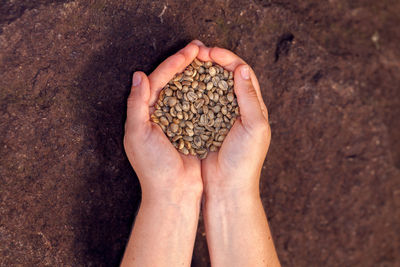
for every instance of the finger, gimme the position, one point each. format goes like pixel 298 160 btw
pixel 249 105
pixel 168 68
pixel 231 61
pixel 137 116
pixel 259 95
pixel 197 42
pixel 225 58
pixel 204 51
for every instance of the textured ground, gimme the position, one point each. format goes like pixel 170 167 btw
pixel 330 75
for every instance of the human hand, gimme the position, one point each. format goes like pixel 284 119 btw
pixel 235 169
pixel 163 172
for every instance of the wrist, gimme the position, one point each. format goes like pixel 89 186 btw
pixel 235 198
pixel 232 192
pixel 169 196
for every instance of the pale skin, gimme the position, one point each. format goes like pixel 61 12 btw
pixel 173 184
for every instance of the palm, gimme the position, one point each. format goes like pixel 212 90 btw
pixel 235 153
pixel 157 163
pixel 166 161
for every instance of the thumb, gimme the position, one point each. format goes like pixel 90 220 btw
pixel 249 105
pixel 137 114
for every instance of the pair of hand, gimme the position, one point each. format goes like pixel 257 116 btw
pixel 167 175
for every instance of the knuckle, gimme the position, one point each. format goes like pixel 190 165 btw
pixel 130 102
pixel 251 91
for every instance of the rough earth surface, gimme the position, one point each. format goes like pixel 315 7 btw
pixel 330 76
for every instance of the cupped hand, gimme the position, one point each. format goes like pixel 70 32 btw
pixel 236 167
pixel 163 172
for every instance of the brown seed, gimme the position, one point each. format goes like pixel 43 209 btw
pixel 206 99
pixel 223 85
pixel 176 138
pixel 168 92
pixel 203 156
pixel 174 127
pixel 179 115
pixel 193 109
pixel 188 72
pixel 172 111
pixel 179 94
pixel 185 89
pixel 154 118
pixel 198 103
pixel 189 124
pixel 185 106
pixel 178 107
pixel 210 95
pixel 223 100
pixel 169 117
pixel 178 85
pixel 224 110
pixel 188 138
pixel 202 86
pixel 230 96
pixel 204 137
pixel 195 84
pixel 198 62
pixel 226 74
pixel 216 97
pixel 188 145
pixel 189 131
pixel 220 138
pixel 158 113
pixel 213 148
pixel 164 121
pixel 185 151
pixel 215 80
pixel 201 151
pixel 212 71
pixel 216 109
pixel 217 144
pixel 223 131
pixel 181 144
pixel 170 133
pixel 209 85
pixel 197 141
pixel 203 119
pixel 205 109
pixel 192 96
pixel 177 77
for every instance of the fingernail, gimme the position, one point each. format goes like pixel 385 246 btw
pixel 245 72
pixel 198 42
pixel 137 78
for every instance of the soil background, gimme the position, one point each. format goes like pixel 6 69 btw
pixel 330 76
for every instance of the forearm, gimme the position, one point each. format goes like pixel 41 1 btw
pixel 163 233
pixel 237 231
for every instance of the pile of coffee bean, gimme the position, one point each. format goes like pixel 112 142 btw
pixel 197 108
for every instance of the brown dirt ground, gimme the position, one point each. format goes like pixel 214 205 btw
pixel 330 75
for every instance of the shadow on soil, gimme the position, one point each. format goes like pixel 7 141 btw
pixel 111 195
